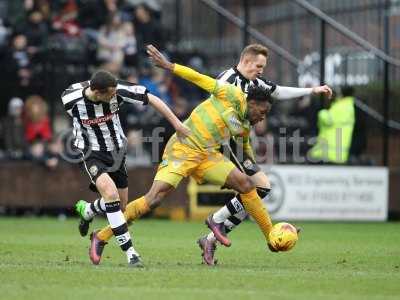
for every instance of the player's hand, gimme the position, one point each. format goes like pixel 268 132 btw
pixel 182 131
pixel 271 247
pixel 158 58
pixel 322 90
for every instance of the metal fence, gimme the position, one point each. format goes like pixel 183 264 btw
pixel 199 27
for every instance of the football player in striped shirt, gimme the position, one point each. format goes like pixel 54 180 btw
pixel 100 140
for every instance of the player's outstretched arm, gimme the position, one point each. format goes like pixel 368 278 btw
pixel 181 130
pixel 286 92
pixel 203 81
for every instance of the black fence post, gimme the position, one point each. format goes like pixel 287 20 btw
pixel 322 54
pixel 246 18
pixel 49 66
pixel 386 87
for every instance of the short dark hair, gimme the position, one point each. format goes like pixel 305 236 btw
pixel 259 94
pixel 102 80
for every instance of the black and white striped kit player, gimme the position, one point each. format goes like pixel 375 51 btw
pixel 233 76
pixel 100 139
pixel 96 124
pixel 278 92
pixel 93 106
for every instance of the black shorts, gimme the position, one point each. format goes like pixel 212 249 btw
pixel 243 161
pixel 96 163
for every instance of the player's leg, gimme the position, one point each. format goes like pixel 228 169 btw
pixel 109 192
pixel 120 177
pixel 86 210
pixel 233 213
pixel 219 170
pixel 214 169
pixel 151 200
pixel 167 179
pixel 93 166
pixel 168 176
pixel 250 199
pixel 163 184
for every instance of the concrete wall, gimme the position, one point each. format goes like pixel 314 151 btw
pixel 24 184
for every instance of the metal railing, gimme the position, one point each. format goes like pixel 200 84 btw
pixel 388 60
pixel 325 21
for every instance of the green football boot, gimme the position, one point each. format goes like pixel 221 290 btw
pixel 80 208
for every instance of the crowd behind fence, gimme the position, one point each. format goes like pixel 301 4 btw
pixel 298 32
pixel 47 45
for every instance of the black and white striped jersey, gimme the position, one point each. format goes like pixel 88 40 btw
pixel 96 124
pixel 233 76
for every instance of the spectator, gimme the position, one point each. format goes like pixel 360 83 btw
pixel 37 122
pixel 17 69
pixel 148 29
pixel 112 40
pixel 38 133
pixel 44 7
pixel 36 30
pixel 130 47
pixel 4 31
pixel 17 11
pixel 91 16
pixel 66 21
pixel 335 127
pixel 13 130
pixel 111 6
pixel 91 13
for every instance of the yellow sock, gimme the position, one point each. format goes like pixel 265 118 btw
pixel 133 210
pixel 255 208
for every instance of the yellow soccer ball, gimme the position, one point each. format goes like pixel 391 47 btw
pixel 283 236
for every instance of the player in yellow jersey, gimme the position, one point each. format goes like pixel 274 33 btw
pixel 246 73
pixel 227 113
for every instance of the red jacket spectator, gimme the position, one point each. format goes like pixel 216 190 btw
pixel 37 122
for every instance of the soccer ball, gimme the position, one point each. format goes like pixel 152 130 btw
pixel 283 236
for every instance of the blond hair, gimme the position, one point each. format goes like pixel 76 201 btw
pixel 254 49
pixel 35 108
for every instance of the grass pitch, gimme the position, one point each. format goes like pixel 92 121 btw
pixel 43 258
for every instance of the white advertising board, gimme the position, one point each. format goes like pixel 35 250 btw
pixel 328 193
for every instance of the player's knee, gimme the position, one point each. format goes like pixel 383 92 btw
pixel 110 194
pixel 260 179
pixel 154 198
pixel 245 185
pixel 157 193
